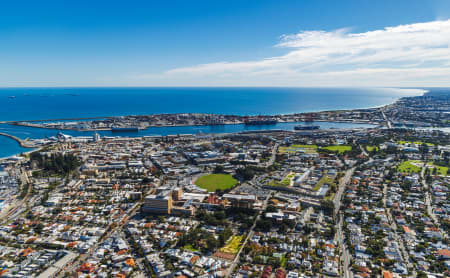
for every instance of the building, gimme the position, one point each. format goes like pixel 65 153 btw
pixel 240 201
pixel 177 194
pixel 158 204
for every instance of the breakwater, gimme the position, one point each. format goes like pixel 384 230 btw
pixel 22 143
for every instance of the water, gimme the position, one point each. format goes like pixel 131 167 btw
pixel 40 103
pixel 9 147
pixel 57 103
pixel 22 132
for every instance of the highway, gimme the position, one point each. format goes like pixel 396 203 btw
pixel 388 122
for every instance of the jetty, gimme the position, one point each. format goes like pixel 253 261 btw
pixel 22 143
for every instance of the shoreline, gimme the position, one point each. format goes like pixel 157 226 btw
pixel 379 107
pixel 193 125
pixel 420 92
pixel 21 142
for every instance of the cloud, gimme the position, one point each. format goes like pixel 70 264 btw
pixel 406 55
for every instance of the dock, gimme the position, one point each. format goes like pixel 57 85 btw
pixel 22 143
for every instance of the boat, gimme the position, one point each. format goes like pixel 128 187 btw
pixel 12 96
pixel 306 127
pixel 261 122
pixel 125 129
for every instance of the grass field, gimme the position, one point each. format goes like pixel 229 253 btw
pixel 408 167
pixel 415 142
pixel 305 146
pixel 440 170
pixel 295 148
pixel 371 148
pixel 233 245
pixel 212 182
pixel 338 148
pixel 279 184
pixel 322 181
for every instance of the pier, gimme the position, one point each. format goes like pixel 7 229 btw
pixel 22 143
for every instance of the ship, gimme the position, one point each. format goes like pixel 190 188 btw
pixel 12 96
pixel 261 121
pixel 125 129
pixel 306 127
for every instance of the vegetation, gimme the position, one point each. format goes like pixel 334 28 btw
pixel 325 179
pixel 408 167
pixel 198 239
pixel 212 182
pixel 338 148
pixel 294 148
pixel 438 170
pixel 371 148
pixel 327 206
pixel 245 173
pixel 55 164
pixel 415 143
pixel 233 245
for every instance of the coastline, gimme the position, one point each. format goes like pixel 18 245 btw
pixel 21 142
pixel 378 107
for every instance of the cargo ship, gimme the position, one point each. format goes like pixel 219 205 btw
pixel 306 127
pixel 125 129
pixel 261 122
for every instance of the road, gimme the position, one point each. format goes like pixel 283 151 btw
pixel 249 235
pixel 272 156
pixel 111 229
pixel 18 205
pixel 388 122
pixel 345 255
pixel 342 185
pixel 398 239
pixel 428 203
pixel 340 237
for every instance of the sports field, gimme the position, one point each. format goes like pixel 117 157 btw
pixel 212 182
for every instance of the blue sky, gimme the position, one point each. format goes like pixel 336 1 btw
pixel 224 43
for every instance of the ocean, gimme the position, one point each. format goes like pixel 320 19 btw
pixel 57 103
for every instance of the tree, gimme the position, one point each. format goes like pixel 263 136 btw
pixel 271 209
pixel 245 173
pixel 219 169
pixel 225 235
pixel 327 206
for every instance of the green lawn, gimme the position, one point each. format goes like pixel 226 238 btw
pixel 295 148
pixel 415 142
pixel 212 182
pixel 408 167
pixel 305 146
pixel 191 248
pixel 322 181
pixel 371 148
pixel 233 245
pixel 338 148
pixel 276 183
pixel 440 170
